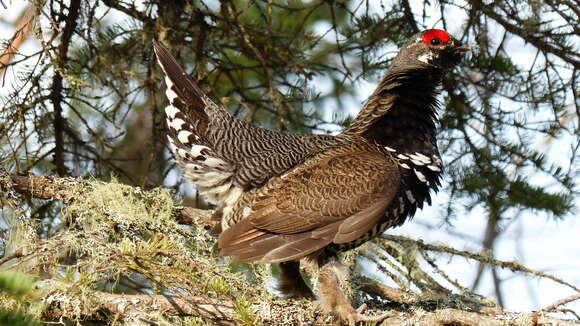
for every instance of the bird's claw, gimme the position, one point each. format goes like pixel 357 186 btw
pixel 357 316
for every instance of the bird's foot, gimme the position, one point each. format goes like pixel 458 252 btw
pixel 355 316
pixel 332 298
pixel 371 319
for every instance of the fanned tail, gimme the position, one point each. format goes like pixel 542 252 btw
pixel 188 119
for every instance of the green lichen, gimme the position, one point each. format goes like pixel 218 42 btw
pixel 243 307
pixel 120 239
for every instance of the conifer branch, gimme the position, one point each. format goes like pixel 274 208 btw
pixel 219 307
pixel 133 308
pixel 67 189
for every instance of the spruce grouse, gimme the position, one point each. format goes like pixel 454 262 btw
pixel 282 197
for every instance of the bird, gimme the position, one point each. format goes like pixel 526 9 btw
pixel 285 197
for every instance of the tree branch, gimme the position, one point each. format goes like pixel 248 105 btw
pixel 218 307
pixel 129 11
pixel 525 34
pixel 57 81
pixel 66 189
pixel 137 305
pixel 23 26
pixel 553 306
pixel 134 307
pixel 513 266
pixel 409 17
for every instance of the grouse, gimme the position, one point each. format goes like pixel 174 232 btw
pixel 282 197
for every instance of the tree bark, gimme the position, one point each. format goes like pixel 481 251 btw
pixel 223 312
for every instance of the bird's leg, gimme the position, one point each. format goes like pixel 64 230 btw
pixel 333 299
pixel 291 283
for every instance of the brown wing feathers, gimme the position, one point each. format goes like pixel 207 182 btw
pixel 335 197
pixel 263 246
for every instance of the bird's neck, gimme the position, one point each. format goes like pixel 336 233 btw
pixel 401 113
pixel 401 116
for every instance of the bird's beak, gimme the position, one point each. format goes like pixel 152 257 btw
pixel 463 48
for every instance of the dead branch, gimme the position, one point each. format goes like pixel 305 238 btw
pixel 23 27
pixel 464 318
pixel 14 255
pixel 137 305
pixel 375 288
pixel 49 187
pixel 511 265
pixel 553 306
pixel 66 189
pixel 223 312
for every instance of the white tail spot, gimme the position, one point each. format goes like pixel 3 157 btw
pixel 419 163
pixel 196 149
pixel 171 111
pixel 181 153
pixel 213 162
pixel 176 124
pixel 183 136
pixel 168 81
pixel 171 95
pixel 421 157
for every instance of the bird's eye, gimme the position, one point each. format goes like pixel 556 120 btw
pixel 435 37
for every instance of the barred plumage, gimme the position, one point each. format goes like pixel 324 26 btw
pixel 282 197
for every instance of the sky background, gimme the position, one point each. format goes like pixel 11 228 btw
pixel 537 241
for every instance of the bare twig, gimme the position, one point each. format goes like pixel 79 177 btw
pixel 23 27
pixel 513 266
pixel 561 302
pixel 14 255
pixel 373 287
pixel 524 33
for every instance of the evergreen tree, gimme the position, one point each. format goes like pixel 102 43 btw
pixel 85 99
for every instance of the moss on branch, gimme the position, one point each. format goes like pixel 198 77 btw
pixel 126 254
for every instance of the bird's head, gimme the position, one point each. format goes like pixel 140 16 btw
pixel 433 47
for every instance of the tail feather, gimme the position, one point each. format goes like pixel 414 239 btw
pixel 180 85
pixel 188 117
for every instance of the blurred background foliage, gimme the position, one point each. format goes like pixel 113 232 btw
pixel 86 98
